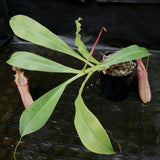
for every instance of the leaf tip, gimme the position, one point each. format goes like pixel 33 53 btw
pixel 80 19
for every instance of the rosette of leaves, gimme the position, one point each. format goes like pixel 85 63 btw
pixel 89 129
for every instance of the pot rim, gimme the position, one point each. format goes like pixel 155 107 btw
pixel 118 75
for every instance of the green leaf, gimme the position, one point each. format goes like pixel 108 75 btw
pixel 132 52
pixel 89 129
pixel 37 114
pixel 81 47
pixel 30 30
pixel 31 61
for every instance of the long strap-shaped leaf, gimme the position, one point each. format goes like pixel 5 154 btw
pixel 37 114
pixel 81 47
pixel 31 61
pixel 132 52
pixel 30 30
pixel 89 129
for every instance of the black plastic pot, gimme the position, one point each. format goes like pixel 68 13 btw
pixel 115 87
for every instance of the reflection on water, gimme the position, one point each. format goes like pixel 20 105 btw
pixel 135 125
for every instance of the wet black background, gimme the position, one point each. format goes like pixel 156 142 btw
pixel 127 23
pixel 135 125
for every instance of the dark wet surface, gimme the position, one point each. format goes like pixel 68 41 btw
pixel 135 125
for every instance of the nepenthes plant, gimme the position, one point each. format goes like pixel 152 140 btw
pixel 90 131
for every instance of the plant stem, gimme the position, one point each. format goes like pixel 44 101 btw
pixel 84 82
pixel 15 150
pixel 75 77
pixel 93 48
pixel 91 52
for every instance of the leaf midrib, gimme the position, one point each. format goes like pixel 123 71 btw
pixel 57 66
pixel 112 60
pixel 52 40
pixel 23 134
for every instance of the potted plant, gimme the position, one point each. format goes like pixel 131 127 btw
pixel 115 80
pixel 90 131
